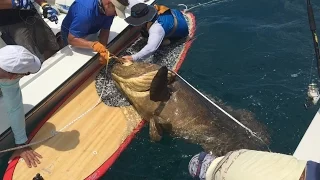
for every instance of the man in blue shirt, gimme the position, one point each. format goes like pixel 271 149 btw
pixel 88 17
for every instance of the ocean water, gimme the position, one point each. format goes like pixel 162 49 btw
pixel 255 55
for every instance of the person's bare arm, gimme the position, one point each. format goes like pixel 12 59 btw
pixel 79 42
pixel 104 36
pixel 30 156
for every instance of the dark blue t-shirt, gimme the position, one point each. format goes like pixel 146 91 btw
pixel 84 18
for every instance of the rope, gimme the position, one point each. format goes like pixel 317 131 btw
pixel 226 113
pixel 199 5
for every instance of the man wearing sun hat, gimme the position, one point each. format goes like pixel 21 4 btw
pixel 160 24
pixel 252 165
pixel 88 17
pixel 16 62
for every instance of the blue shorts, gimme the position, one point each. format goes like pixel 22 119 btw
pixel 313 170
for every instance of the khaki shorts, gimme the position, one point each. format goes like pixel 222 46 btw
pixel 34 34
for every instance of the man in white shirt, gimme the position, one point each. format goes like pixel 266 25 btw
pixel 159 23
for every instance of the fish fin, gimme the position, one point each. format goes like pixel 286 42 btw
pixel 155 130
pixel 159 90
pixel 167 127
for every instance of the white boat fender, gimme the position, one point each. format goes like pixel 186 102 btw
pixel 313 95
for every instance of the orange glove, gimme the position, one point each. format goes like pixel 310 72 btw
pixel 98 47
pixel 104 58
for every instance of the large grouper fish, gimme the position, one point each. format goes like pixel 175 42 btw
pixel 170 105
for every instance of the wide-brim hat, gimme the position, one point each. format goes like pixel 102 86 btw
pixel 140 14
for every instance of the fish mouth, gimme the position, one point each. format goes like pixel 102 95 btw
pixel 136 69
pixel 140 83
pixel 135 79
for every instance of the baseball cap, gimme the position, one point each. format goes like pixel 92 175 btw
pixel 120 8
pixel 17 59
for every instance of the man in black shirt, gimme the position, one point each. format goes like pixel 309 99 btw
pixel 21 24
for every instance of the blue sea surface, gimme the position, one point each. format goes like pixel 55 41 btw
pixel 256 55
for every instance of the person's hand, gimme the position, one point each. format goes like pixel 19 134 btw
pixel 127 58
pixel 28 155
pixel 50 13
pixel 98 47
pixel 104 57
